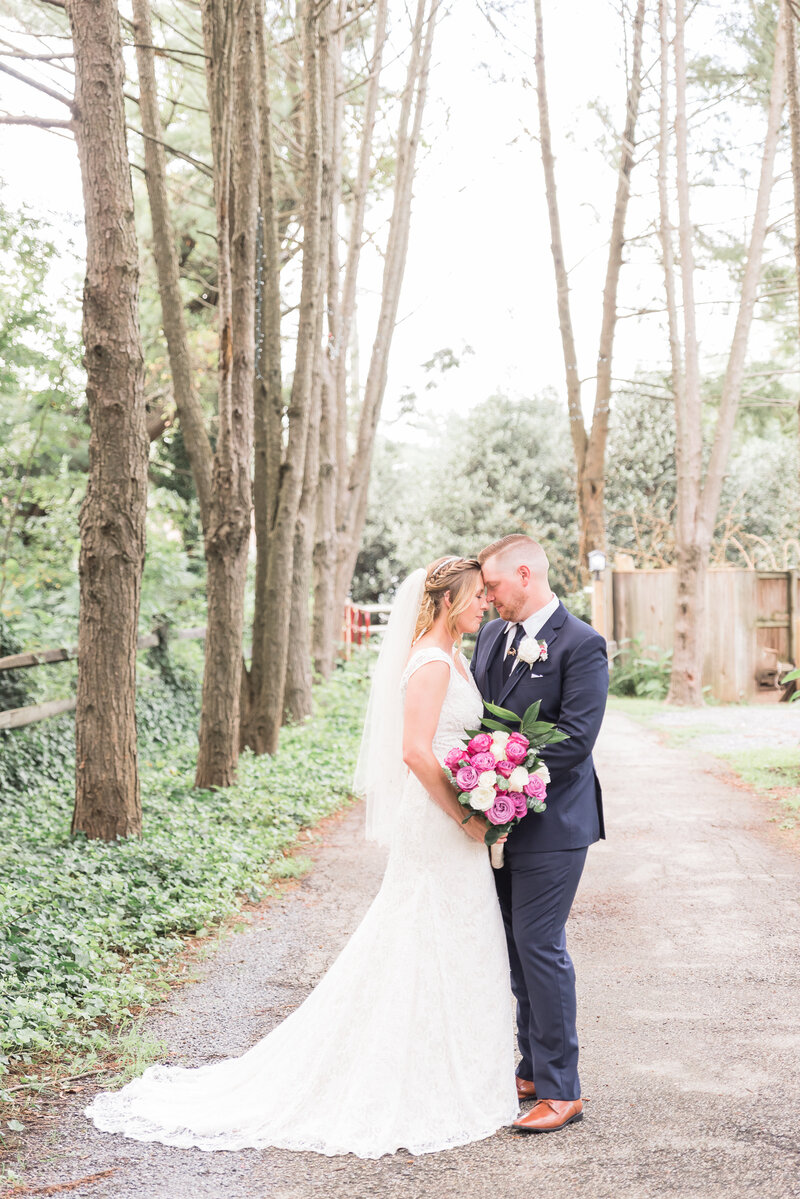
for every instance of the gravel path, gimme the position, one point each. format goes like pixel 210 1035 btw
pixel 685 935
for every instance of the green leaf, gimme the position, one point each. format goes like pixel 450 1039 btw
pixel 495 724
pixel 532 713
pixel 503 713
pixel 495 833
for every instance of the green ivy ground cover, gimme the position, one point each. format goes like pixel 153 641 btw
pixel 86 928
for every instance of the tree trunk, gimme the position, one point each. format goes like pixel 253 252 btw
pixel 590 449
pixel 333 415
pixel 790 39
pixel 412 109
pixel 298 699
pixel 268 432
pixel 190 412
pixel 235 135
pixel 267 714
pixel 112 522
pixel 698 497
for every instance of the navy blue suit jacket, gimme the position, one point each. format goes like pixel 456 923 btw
pixel 572 685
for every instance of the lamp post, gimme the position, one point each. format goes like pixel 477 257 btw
pixel 597 566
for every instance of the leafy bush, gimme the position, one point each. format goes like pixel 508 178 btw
pixel 641 671
pixel 86 927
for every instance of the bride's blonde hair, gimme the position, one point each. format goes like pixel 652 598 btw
pixel 453 575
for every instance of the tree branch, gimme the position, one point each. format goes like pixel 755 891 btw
pixel 48 91
pixel 39 122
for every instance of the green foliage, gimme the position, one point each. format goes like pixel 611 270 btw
pixel 640 671
pixel 792 677
pixel 505 467
pixel 87 928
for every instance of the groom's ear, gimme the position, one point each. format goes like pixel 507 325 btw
pixel 524 573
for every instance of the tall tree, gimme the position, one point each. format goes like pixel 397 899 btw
pixel 341 308
pixel 112 524
pixel 354 469
pixel 789 15
pixel 270 650
pixel 230 36
pixel 699 489
pixel 187 403
pixel 590 447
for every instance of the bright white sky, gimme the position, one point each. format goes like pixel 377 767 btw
pixel 479 271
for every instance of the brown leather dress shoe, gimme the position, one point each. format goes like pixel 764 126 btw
pixel 548 1115
pixel 525 1089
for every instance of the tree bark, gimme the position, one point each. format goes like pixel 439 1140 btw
pixel 412 109
pixel 790 38
pixel 190 412
pixel 298 698
pixel 590 448
pixel 268 432
pixel 333 402
pixel 266 718
pixel 698 496
pixel 230 37
pixel 112 522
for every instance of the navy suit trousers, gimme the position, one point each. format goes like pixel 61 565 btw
pixel 536 891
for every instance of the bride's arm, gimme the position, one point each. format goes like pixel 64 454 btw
pixel 425 694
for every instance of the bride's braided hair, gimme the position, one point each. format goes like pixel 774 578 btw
pixel 454 575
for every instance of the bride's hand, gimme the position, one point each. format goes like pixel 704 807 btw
pixel 477 828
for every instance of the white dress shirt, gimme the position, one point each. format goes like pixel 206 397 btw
pixel 532 624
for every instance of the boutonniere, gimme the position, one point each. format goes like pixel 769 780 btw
pixel 531 651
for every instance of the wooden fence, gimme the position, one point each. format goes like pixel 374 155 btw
pixel 357 627
pixel 752 626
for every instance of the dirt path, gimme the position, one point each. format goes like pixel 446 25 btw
pixel 686 940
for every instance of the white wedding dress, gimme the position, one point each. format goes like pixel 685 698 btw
pixel 407 1041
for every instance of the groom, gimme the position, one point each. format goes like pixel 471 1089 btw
pixel 545 854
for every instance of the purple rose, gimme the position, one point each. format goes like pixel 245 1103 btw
pixel 504 768
pixel 535 787
pixel 516 751
pixel 480 744
pixel 454 757
pixel 502 810
pixel 467 778
pixel 520 803
pixel 483 762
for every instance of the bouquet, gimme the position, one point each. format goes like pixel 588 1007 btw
pixel 499 772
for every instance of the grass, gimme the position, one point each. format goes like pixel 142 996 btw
pixel 771 772
pixel 91 933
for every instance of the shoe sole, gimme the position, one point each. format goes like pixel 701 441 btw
pixel 556 1128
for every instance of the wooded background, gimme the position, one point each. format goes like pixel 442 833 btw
pixel 213 448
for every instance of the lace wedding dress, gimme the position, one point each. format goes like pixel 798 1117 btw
pixel 407 1041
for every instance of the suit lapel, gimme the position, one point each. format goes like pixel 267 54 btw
pixel 549 633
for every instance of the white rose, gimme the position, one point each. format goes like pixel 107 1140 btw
pixel 498 746
pixel 518 778
pixel 481 799
pixel 543 773
pixel 528 651
pixel 487 779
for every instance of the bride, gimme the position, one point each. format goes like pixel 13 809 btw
pixel 407 1042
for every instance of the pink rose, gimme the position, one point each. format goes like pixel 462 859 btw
pixel 454 757
pixel 502 811
pixel 504 768
pixel 467 778
pixel 483 762
pixel 535 787
pixel 523 740
pixel 516 752
pixel 480 744
pixel 520 803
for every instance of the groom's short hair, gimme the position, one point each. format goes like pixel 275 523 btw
pixel 510 542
